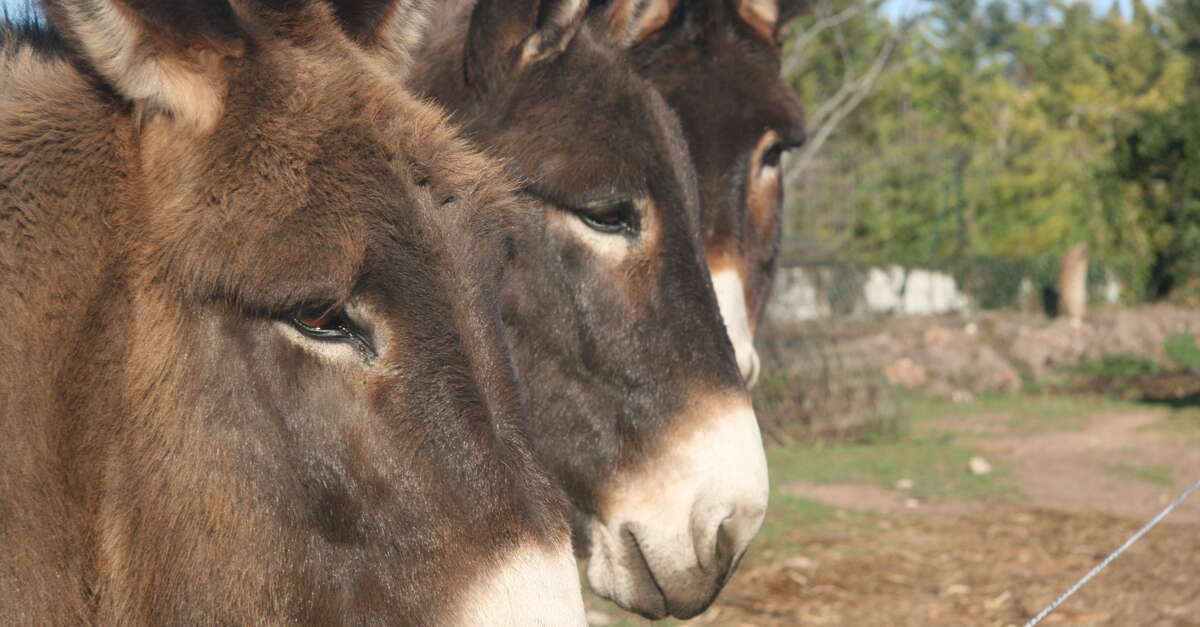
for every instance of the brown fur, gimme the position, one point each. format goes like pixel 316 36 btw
pixel 717 64
pixel 610 349
pixel 171 450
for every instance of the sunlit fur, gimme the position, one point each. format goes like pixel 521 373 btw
pixel 616 336
pixel 170 453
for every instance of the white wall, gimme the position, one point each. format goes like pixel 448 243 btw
pixel 806 293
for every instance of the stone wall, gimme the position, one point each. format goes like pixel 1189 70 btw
pixel 837 376
pixel 815 291
pixel 824 290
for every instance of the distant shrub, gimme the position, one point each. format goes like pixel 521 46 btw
pixel 1187 295
pixel 995 282
pixel 1182 349
pixel 1119 366
pixel 1030 384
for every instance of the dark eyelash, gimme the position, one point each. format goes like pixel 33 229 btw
pixel 773 156
pixel 618 218
pixel 336 326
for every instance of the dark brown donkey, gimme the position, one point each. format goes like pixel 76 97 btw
pixel 717 64
pixel 254 369
pixel 637 404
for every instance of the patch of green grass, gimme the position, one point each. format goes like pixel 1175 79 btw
pixel 1181 348
pixel 1118 366
pixel 937 466
pixel 1017 414
pixel 790 521
pixel 1158 475
pixel 1030 385
pixel 787 511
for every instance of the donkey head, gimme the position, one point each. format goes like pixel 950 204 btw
pixel 316 419
pixel 637 404
pixel 717 64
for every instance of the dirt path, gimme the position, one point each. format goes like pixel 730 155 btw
pixel 1094 469
pixel 1085 491
pixel 987 568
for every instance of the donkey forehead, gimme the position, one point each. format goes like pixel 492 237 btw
pixel 295 215
pixel 589 126
pixel 721 73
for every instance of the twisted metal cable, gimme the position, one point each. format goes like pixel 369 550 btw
pixel 1102 565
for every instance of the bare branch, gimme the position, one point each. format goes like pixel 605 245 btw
pixel 839 37
pixel 833 111
pixel 825 118
pixel 799 53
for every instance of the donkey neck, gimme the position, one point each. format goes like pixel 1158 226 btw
pixel 66 168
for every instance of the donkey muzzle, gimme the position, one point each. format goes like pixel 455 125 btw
pixel 669 537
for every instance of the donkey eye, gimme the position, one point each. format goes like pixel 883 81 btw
pixel 330 324
pixel 618 218
pixel 772 156
pixel 323 322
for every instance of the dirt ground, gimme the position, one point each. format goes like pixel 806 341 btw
pixel 1083 491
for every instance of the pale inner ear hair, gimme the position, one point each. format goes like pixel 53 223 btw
pixel 761 16
pixel 556 32
pixel 632 21
pixel 190 89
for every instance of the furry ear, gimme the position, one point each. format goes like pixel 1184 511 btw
pixel 760 15
pixel 770 19
pixel 392 28
pixel 507 36
pixel 163 55
pixel 630 22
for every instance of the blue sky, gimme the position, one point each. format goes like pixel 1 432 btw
pixel 901 7
pixel 13 5
pixel 894 7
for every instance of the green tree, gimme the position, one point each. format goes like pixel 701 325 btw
pixel 1001 136
pixel 1162 156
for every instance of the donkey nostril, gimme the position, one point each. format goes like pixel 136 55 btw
pixel 726 548
pixel 733 536
pixel 731 544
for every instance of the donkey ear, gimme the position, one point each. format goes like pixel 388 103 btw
pixel 762 16
pixel 162 55
pixel 507 36
pixel 390 27
pixel 630 22
pixel 770 19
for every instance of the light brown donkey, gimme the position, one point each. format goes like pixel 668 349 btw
pixel 254 371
